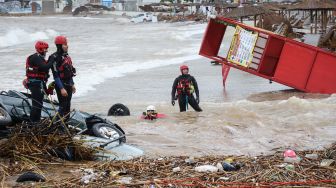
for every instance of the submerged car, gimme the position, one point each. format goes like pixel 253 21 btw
pixel 145 17
pixel 95 131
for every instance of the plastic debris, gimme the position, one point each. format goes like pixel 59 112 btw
pixel 290 167
pixel 313 156
pixel 327 162
pixel 125 180
pixel 190 160
pixel 177 169
pixel 228 167
pixel 289 153
pixel 206 168
pixel 292 160
pixel 223 178
pixel 220 167
pixel 229 160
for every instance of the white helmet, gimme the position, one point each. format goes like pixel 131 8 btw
pixel 151 107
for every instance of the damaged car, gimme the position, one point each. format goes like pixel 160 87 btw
pixel 95 131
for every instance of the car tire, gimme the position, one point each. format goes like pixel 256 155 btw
pixel 5 118
pixel 31 176
pixel 66 153
pixel 104 130
pixel 118 110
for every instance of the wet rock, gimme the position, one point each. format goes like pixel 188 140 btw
pixel 206 168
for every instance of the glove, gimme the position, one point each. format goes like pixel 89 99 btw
pixel 197 100
pixel 50 89
pixel 173 102
pixel 25 83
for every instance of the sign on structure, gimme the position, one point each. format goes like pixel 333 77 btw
pixel 242 45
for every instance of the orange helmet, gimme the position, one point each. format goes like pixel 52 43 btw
pixel 40 46
pixel 61 40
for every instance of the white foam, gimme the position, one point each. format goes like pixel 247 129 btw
pixel 185 35
pixel 18 36
pixel 123 20
pixel 87 83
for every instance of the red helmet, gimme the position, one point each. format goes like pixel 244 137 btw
pixel 40 46
pixel 61 40
pixel 182 67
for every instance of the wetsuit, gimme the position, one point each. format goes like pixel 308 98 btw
pixel 186 85
pixel 37 79
pixel 63 73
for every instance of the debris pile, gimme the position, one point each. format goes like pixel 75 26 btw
pixel 180 18
pixel 43 142
pixel 25 151
pixel 314 168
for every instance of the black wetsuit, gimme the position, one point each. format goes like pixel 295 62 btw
pixel 63 79
pixel 37 85
pixel 185 97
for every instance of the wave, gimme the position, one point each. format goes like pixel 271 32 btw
pixel 87 83
pixel 18 36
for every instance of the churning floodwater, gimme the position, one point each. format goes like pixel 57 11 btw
pixel 135 64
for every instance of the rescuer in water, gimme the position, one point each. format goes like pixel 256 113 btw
pixel 185 86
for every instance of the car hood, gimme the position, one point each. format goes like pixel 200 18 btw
pixel 113 151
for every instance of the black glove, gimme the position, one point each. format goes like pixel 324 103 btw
pixel 173 102
pixel 197 100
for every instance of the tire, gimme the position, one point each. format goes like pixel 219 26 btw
pixel 108 131
pixel 65 154
pixel 31 176
pixel 118 110
pixel 5 118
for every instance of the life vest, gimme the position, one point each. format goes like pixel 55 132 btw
pixel 185 86
pixel 32 72
pixel 153 117
pixel 66 69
